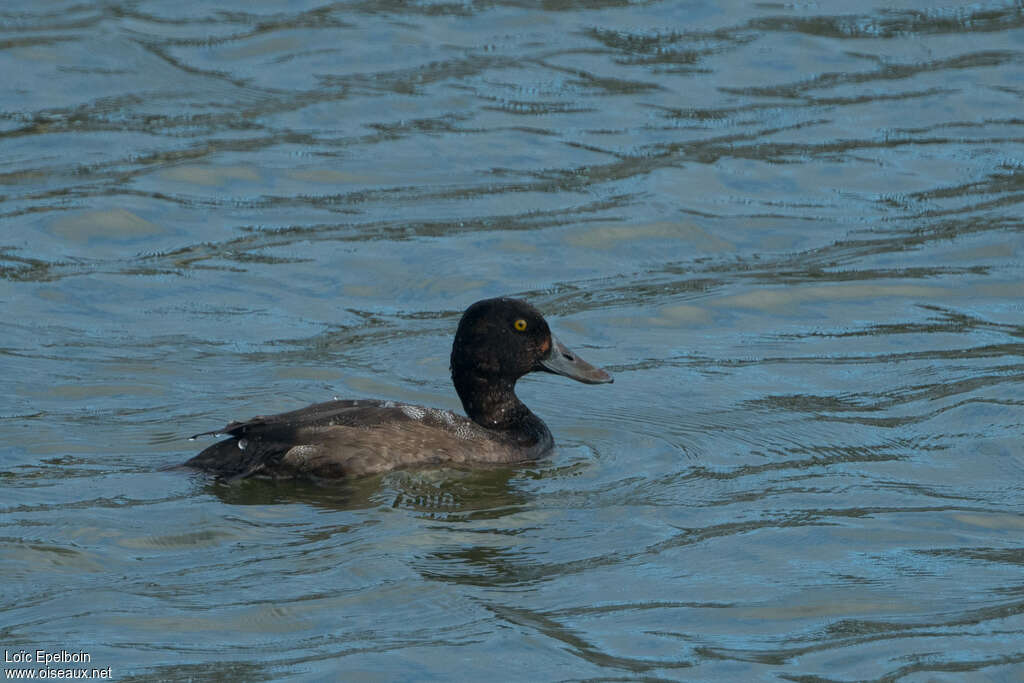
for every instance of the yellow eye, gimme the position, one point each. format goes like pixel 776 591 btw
pixel 519 324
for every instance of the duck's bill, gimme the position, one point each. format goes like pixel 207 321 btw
pixel 561 361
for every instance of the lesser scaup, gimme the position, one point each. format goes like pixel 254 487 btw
pixel 497 342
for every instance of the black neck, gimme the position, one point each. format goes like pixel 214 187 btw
pixel 491 402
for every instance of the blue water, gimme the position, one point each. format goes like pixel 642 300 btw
pixel 794 237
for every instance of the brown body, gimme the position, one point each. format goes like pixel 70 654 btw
pixel 357 438
pixel 497 342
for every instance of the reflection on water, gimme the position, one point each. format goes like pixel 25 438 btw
pixel 794 238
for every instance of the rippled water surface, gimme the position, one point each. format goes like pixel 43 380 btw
pixel 794 236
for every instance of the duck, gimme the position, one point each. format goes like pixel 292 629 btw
pixel 497 342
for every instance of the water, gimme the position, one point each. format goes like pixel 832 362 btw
pixel 793 236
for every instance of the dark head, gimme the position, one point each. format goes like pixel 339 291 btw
pixel 499 341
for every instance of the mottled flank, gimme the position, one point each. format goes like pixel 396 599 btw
pixel 354 438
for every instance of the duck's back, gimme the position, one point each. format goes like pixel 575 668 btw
pixel 354 438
